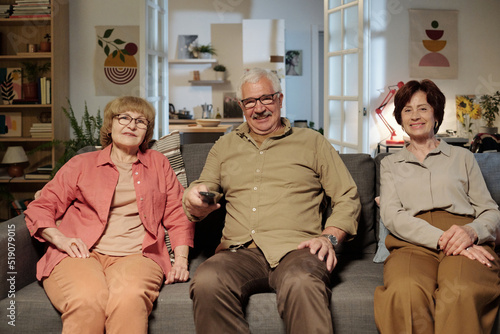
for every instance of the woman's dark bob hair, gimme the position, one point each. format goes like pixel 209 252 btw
pixel 435 98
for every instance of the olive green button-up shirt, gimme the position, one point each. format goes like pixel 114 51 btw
pixel 275 193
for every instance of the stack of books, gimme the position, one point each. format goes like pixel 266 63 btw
pixel 41 173
pixel 20 205
pixel 5 11
pixel 41 130
pixel 24 9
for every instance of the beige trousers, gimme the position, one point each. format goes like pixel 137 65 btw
pixel 427 292
pixel 112 293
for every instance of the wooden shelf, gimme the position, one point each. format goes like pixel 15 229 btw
pixel 192 61
pixel 208 82
pixel 24 106
pixel 24 139
pixel 8 179
pixel 23 21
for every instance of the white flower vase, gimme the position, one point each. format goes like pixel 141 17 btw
pixel 205 55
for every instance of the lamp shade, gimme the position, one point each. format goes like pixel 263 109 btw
pixel 15 155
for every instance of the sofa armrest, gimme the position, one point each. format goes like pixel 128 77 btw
pixel 19 254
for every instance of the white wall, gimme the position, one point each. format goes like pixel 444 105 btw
pixel 478 52
pixel 84 16
pixel 194 17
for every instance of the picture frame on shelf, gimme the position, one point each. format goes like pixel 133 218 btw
pixel 183 46
pixel 11 124
pixel 10 84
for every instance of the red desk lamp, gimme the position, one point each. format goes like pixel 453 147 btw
pixel 392 92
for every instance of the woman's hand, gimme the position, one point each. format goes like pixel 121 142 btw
pixel 456 239
pixel 179 271
pixel 74 247
pixel 478 253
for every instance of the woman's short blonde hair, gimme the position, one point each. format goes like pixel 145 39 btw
pixel 119 106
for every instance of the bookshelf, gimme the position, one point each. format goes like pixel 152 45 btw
pixel 15 36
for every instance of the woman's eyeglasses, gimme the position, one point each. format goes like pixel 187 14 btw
pixel 125 120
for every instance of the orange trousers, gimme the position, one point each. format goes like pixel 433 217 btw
pixel 426 291
pixel 112 294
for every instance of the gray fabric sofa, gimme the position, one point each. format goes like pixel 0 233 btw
pixel 354 279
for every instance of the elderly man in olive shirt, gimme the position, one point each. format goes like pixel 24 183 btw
pixel 275 180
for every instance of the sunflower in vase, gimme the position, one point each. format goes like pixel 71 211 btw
pixel 467 111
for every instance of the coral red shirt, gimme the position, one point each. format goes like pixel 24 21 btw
pixel 81 194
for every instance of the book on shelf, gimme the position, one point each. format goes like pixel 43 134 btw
pixel 37 176
pixel 44 90
pixel 20 205
pixel 45 169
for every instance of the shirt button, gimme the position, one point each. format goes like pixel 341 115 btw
pixel 136 173
pixel 253 231
pixel 258 170
pixel 254 188
pixel 138 182
pixel 254 209
pixel 261 152
pixel 142 199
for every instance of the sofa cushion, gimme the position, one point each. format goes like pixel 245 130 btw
pixel 362 169
pixel 170 146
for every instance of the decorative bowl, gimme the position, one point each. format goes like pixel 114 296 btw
pixel 208 122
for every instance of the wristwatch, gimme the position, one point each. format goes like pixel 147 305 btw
pixel 331 238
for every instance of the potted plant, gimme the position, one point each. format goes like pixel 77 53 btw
pixel 203 51
pixel 490 105
pixel 220 71
pixel 45 46
pixel 32 72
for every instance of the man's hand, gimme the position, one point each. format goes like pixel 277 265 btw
pixel 456 239
pixel 323 248
pixel 195 204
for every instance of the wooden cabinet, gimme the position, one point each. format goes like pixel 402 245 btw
pixel 16 34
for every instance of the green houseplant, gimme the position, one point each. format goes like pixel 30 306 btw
pixel 490 105
pixel 85 133
pixel 220 72
pixel 32 72
pixel 203 51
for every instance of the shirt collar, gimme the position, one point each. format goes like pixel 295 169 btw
pixel 105 157
pixel 443 148
pixel 243 130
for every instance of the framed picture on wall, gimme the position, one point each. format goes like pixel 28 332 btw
pixel 184 46
pixel 10 124
pixel 293 60
pixel 231 107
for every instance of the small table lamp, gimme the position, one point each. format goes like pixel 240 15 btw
pixel 14 157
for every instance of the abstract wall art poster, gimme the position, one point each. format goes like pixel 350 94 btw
pixel 116 61
pixel 10 124
pixel 10 84
pixel 433 44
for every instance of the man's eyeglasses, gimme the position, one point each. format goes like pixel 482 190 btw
pixel 264 99
pixel 125 120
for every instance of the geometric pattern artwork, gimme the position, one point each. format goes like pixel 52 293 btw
pixel 433 44
pixel 116 61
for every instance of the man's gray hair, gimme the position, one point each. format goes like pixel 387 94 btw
pixel 254 75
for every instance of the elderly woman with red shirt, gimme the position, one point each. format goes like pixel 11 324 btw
pixel 107 259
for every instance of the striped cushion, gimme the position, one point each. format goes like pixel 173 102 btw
pixel 170 146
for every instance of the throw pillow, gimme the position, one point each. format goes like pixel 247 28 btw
pixel 170 146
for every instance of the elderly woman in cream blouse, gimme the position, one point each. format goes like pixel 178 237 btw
pixel 442 274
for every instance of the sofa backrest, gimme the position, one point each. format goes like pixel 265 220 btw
pixel 361 167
